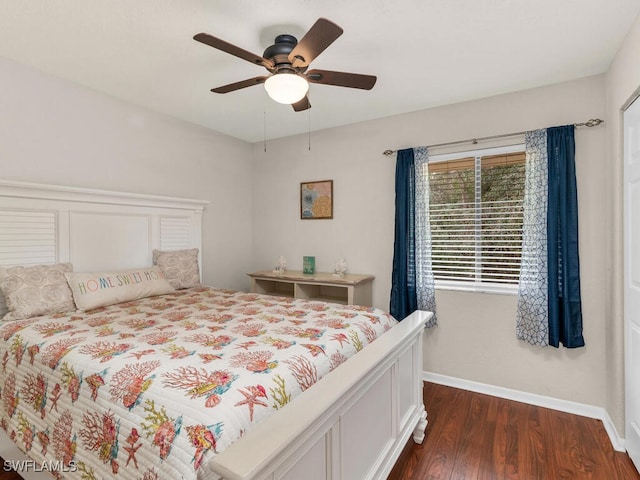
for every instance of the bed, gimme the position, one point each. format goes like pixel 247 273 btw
pixel 134 389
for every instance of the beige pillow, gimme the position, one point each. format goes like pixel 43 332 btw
pixel 180 267
pixel 98 289
pixel 36 290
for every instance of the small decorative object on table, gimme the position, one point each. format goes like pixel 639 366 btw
pixel 281 265
pixel 309 265
pixel 340 268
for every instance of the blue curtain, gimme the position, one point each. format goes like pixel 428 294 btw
pixel 412 283
pixel 404 298
pixel 565 310
pixel 549 305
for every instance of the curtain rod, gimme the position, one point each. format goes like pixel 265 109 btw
pixel 593 122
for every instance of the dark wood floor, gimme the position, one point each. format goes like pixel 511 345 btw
pixel 11 475
pixel 471 436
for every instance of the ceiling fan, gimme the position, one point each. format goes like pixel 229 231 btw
pixel 287 62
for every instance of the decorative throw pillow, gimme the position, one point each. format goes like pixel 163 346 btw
pixel 180 267
pixel 36 290
pixel 98 289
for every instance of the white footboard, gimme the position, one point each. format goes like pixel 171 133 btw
pixel 353 424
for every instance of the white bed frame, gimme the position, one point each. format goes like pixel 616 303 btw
pixel 353 424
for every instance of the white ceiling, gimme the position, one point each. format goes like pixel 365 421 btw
pixel 425 53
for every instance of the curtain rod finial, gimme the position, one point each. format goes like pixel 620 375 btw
pixel 388 153
pixel 593 122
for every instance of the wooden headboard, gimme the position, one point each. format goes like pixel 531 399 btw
pixel 92 229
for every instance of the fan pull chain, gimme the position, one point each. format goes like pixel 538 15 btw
pixel 264 121
pixel 309 133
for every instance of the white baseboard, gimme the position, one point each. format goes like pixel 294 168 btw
pixel 531 398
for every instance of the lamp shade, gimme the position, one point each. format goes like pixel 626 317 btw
pixel 286 87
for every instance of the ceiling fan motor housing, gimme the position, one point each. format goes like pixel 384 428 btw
pixel 280 50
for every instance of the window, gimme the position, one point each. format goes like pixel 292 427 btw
pixel 475 210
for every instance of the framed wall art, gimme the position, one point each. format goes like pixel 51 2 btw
pixel 316 200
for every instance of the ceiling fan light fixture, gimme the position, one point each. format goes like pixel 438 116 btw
pixel 287 88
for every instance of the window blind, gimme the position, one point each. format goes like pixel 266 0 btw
pixel 476 218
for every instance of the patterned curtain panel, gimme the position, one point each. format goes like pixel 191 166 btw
pixel 533 290
pixel 425 284
pixel 549 304
pixel 412 284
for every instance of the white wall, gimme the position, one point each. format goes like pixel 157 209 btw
pixel 476 336
pixel 362 213
pixel 53 131
pixel 623 84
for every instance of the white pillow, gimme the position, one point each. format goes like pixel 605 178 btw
pixel 98 289
pixel 36 290
pixel 180 267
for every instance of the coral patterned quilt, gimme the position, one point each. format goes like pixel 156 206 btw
pixel 152 389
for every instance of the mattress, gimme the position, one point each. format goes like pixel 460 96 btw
pixel 154 388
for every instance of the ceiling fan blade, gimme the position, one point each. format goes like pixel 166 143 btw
pixel 322 34
pixel 233 50
pixel 342 79
pixel 301 105
pixel 232 87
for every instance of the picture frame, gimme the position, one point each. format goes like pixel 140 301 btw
pixel 316 200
